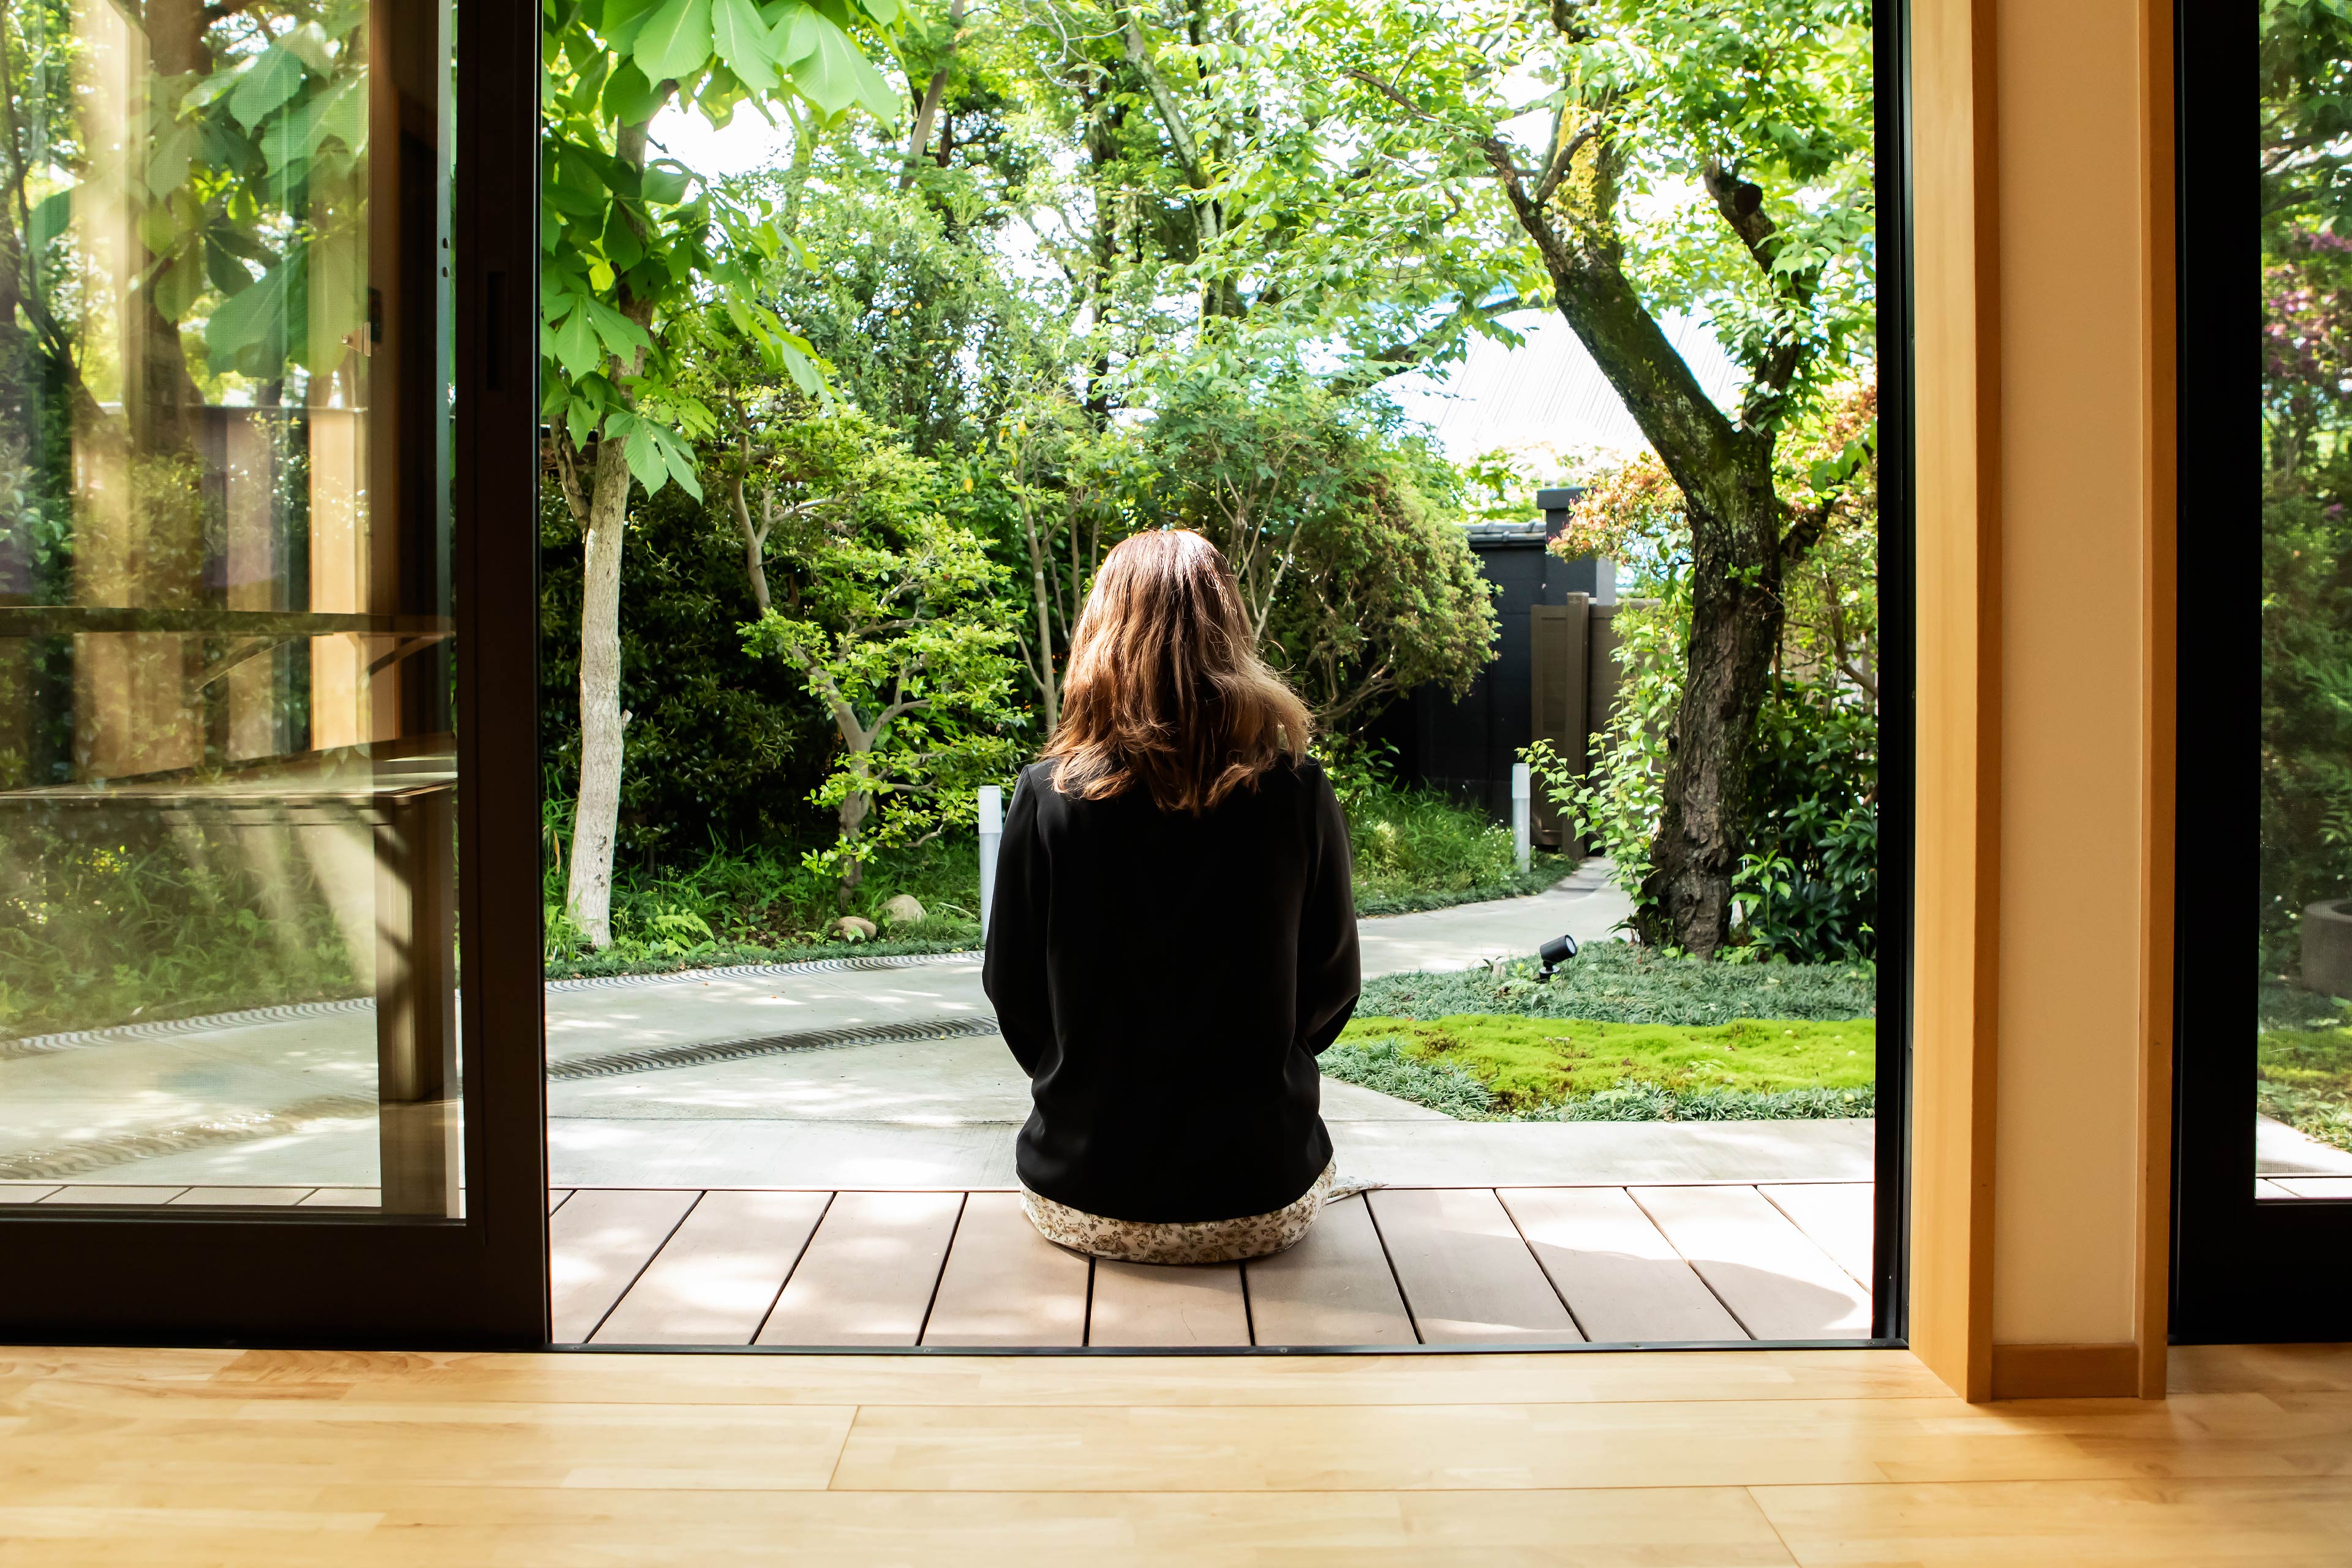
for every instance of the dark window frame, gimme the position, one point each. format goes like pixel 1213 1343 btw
pixel 2243 1269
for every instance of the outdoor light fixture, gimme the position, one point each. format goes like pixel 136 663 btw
pixel 1555 952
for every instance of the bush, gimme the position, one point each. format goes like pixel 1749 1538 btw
pixel 1417 850
pixel 764 906
pixel 107 921
pixel 1618 981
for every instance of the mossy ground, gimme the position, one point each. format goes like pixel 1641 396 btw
pixel 2305 1080
pixel 1528 1064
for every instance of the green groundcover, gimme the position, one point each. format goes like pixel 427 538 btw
pixel 1513 1067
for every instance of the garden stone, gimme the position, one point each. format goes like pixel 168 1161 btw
pixel 903 910
pixel 854 928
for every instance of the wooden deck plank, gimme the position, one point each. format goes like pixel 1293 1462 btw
pixel 598 1242
pixel 95 1193
pixel 244 1197
pixel 343 1198
pixel 555 1197
pixel 1619 1274
pixel 1467 1276
pixel 1153 1304
pixel 1838 1216
pixel 1335 1288
pixel 715 1279
pixel 2316 1187
pixel 1004 1284
pixel 868 1273
pixel 26 1192
pixel 1772 1277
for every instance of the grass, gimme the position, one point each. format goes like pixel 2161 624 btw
pixel 1485 1066
pixel 1619 982
pixel 1388 1066
pixel 2304 1080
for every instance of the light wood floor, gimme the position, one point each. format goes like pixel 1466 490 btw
pixel 261 1458
pixel 1528 1265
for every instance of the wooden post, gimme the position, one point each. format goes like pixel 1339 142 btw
pixel 1559 640
pixel 418 1124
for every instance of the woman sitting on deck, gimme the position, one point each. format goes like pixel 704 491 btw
pixel 1172 938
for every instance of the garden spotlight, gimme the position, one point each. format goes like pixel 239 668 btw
pixel 1555 952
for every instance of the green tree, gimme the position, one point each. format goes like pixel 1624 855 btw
pixel 2306 554
pixel 1761 111
pixel 631 243
pixel 898 634
pixel 1341 531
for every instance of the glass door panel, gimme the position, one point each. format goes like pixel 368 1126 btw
pixel 270 1061
pixel 227 760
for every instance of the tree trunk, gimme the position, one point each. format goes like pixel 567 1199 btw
pixel 854 808
pixel 596 813
pixel 1724 473
pixel 1049 680
pixel 1736 615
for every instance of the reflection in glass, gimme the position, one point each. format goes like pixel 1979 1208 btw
pixel 2303 1088
pixel 227 839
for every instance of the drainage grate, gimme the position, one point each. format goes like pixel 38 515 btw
pixel 807 967
pixel 655 1058
pixel 292 1012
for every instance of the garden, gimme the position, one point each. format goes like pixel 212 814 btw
pixel 869 327
pixel 2304 1044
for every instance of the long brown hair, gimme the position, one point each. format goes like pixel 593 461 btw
pixel 1165 688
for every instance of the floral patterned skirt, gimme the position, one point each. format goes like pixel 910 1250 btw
pixel 1155 1241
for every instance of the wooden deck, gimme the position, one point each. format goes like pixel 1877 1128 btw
pixel 1465 1266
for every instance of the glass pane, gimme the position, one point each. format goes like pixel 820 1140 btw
pixel 2304 1089
pixel 227 775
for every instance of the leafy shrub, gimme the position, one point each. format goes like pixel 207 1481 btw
pixel 104 921
pixel 757 906
pixel 1807 886
pixel 1618 981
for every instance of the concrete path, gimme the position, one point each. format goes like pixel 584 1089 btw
pixel 636 1100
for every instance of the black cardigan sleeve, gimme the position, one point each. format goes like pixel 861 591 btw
pixel 1330 972
pixel 1014 974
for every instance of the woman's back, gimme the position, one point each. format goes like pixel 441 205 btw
pixel 1167 979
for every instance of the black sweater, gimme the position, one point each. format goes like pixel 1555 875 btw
pixel 1167 981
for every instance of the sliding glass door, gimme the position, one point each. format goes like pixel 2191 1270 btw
pixel 251 399
pixel 2264 1077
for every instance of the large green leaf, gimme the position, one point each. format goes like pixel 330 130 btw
pixel 675 41
pixel 622 245
pixel 827 69
pixel 743 41
pixel 576 349
pixel 247 329
pixel 631 97
pixel 49 219
pixel 267 85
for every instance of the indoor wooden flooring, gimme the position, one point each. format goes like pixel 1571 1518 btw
pixel 1434 1265
pixel 1815 1458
